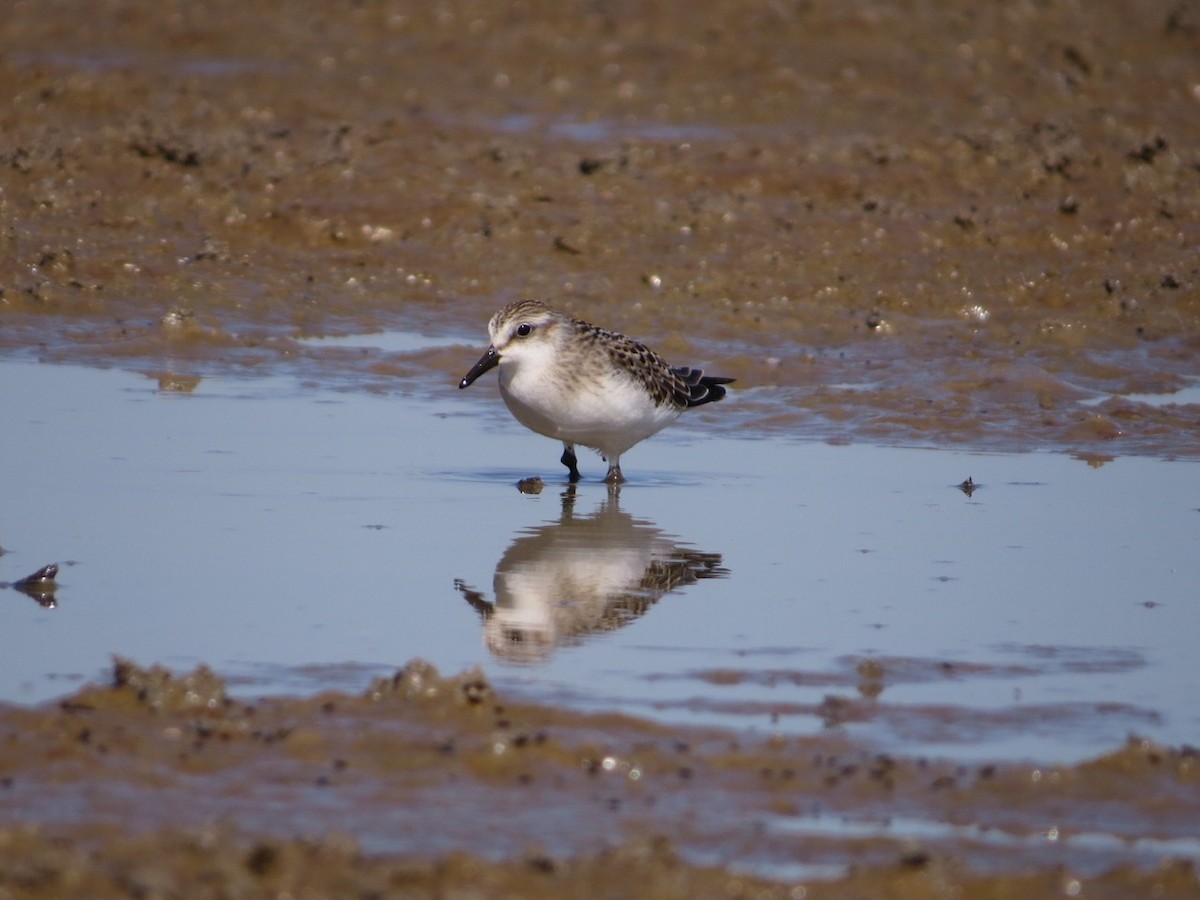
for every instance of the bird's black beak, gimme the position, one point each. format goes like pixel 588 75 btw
pixel 489 360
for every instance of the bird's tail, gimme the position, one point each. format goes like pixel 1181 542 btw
pixel 702 388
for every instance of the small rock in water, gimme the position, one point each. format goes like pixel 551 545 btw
pixel 40 585
pixel 531 485
pixel 41 581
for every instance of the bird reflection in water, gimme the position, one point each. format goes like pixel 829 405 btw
pixel 561 582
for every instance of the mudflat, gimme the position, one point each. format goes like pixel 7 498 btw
pixel 984 220
pixel 984 214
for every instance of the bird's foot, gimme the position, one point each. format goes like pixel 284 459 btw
pixel 614 475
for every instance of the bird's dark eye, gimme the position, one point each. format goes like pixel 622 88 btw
pixel 524 329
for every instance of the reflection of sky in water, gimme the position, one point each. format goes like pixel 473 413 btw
pixel 1185 395
pixel 605 129
pixel 297 540
pixel 387 341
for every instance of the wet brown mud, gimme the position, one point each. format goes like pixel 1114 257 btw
pixel 933 222
pixel 163 785
pixel 976 216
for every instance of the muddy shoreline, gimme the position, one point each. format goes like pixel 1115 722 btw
pixel 974 218
pixel 389 790
pixel 937 224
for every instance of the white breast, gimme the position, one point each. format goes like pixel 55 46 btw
pixel 605 410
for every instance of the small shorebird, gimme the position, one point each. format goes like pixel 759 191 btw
pixel 582 384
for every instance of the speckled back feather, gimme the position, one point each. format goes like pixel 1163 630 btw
pixel 668 385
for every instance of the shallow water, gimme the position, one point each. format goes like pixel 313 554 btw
pixel 299 539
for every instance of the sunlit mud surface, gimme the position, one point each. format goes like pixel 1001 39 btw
pixel 965 227
pixel 947 224
pixel 219 792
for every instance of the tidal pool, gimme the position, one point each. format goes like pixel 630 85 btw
pixel 298 539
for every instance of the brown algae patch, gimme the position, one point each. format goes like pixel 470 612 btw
pixel 425 782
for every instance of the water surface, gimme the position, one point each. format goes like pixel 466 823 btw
pixel 298 539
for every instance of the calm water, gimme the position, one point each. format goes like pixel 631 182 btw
pixel 297 539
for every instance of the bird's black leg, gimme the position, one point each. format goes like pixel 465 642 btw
pixel 568 459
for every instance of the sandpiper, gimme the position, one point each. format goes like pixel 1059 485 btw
pixel 582 384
